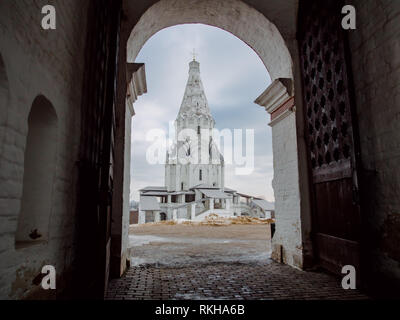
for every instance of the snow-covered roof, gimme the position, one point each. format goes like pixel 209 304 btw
pixel 155 193
pixel 264 204
pixel 229 190
pixel 204 186
pixel 215 194
pixel 165 193
pixel 154 189
pixel 246 196
pixel 181 192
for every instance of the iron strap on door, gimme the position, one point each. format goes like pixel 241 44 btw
pixel 329 133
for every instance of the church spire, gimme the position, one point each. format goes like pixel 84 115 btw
pixel 194 101
pixel 194 54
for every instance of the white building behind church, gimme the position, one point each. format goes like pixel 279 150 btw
pixel 194 170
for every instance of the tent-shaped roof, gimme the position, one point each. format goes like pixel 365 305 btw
pixel 194 100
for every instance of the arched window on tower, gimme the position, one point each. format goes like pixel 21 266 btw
pixel 200 175
pixel 39 174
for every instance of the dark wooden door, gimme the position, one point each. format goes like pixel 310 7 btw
pixel 97 147
pixel 331 134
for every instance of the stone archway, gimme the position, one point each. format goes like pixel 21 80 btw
pixel 231 16
pixel 254 28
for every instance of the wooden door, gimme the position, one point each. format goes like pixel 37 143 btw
pixel 97 147
pixel 331 134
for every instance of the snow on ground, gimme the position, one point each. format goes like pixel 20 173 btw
pixel 182 245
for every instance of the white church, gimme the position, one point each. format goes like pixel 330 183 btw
pixel 194 170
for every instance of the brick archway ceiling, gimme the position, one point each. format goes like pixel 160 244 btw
pixel 234 16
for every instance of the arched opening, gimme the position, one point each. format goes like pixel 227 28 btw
pixel 230 93
pixel 163 216
pixel 267 42
pixel 39 174
pixel 232 16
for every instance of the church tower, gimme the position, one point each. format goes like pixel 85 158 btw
pixel 194 158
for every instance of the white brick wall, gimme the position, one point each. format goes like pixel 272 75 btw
pixel 49 63
pixel 286 191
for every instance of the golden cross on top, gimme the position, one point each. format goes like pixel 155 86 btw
pixel 194 55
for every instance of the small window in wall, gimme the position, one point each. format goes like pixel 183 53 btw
pixel 173 199
pixel 39 174
pixel 198 129
pixel 182 186
pixel 200 175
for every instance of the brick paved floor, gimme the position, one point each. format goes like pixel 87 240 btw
pixel 260 281
pixel 189 262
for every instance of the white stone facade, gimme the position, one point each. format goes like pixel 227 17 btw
pixel 194 158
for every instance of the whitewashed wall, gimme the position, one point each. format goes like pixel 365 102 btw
pixel 48 63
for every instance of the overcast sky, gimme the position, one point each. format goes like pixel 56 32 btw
pixel 233 77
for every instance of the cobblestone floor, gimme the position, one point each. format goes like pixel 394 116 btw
pixel 189 262
pixel 261 281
